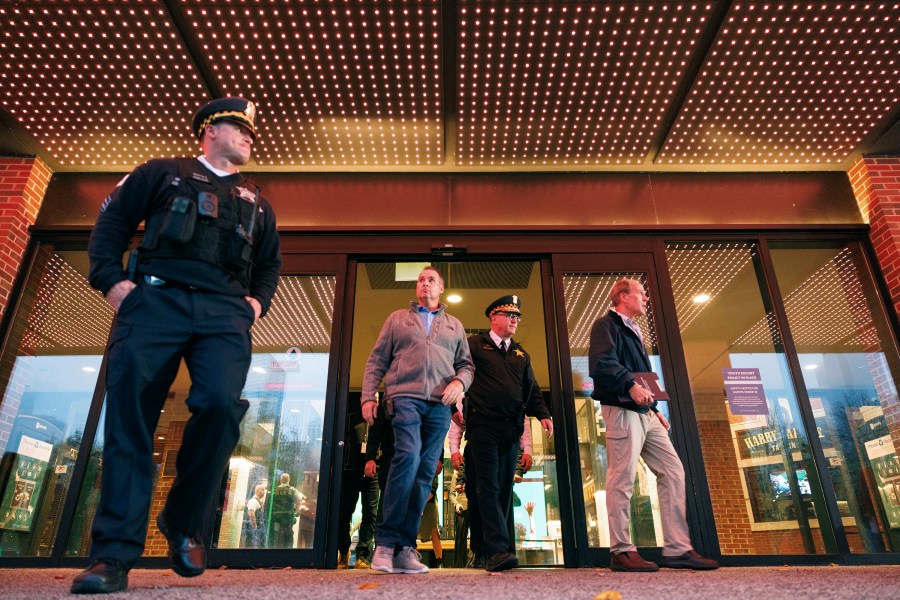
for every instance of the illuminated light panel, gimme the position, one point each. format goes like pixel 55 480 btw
pixel 300 315
pixel 569 83
pixel 587 299
pixel 703 266
pixel 98 83
pixel 337 83
pixel 833 290
pixel 790 82
pixel 67 312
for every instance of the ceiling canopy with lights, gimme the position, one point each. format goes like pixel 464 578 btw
pixel 460 86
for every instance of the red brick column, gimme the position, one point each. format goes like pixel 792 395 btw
pixel 876 184
pixel 23 182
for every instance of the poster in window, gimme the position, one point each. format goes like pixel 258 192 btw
pixel 24 487
pixel 886 468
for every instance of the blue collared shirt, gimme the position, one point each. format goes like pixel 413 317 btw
pixel 427 317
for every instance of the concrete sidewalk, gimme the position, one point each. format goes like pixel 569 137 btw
pixel 789 583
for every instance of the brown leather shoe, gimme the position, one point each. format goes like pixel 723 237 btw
pixel 689 560
pixel 186 551
pixel 631 561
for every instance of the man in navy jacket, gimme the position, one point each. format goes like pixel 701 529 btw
pixel 635 428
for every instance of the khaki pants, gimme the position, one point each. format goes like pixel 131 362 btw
pixel 630 435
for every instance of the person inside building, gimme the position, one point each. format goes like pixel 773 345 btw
pixel 287 505
pixel 356 486
pixel 462 558
pixel 636 429
pixel 428 527
pixel 255 521
pixel 206 270
pixel 503 392
pixel 379 453
pixel 423 358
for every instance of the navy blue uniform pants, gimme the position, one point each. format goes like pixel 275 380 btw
pixel 154 329
pixel 491 455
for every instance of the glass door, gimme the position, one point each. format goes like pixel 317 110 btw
pixel 582 287
pixel 275 496
pixel 469 287
pixel 290 388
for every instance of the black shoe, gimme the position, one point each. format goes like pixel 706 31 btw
pixel 689 560
pixel 104 576
pixel 501 562
pixel 186 551
pixel 632 562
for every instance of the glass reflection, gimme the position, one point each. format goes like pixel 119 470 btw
pixel 272 485
pixel 50 367
pixel 765 490
pixel 850 384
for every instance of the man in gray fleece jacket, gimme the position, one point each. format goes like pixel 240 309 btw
pixel 423 356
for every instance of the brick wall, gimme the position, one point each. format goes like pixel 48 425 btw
pixel 23 182
pixel 876 184
pixel 156 542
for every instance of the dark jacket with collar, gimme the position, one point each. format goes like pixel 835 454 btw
pixel 504 389
pixel 615 353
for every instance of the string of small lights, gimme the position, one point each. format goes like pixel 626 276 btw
pixel 790 82
pixel 300 315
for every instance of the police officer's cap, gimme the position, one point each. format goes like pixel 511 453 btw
pixel 509 304
pixel 234 109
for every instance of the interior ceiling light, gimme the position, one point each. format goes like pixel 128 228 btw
pixel 454 298
pixel 701 298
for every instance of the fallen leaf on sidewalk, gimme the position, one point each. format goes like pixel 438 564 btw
pixel 369 586
pixel 609 595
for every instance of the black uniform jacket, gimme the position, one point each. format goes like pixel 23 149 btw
pixel 504 389
pixel 145 191
pixel 615 353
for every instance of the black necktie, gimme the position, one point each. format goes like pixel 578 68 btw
pixel 503 345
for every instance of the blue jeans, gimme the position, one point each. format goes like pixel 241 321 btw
pixel 419 430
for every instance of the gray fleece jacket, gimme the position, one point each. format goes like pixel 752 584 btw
pixel 416 365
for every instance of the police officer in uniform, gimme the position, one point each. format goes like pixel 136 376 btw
pixel 287 503
pixel 206 270
pixel 503 392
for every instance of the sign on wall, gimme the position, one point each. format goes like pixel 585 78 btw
pixel 24 487
pixel 744 390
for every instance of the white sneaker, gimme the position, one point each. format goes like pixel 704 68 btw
pixel 383 559
pixel 407 561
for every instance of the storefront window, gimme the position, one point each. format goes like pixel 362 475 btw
pixel 843 354
pixel 587 299
pixel 281 434
pixel 50 366
pixel 765 490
